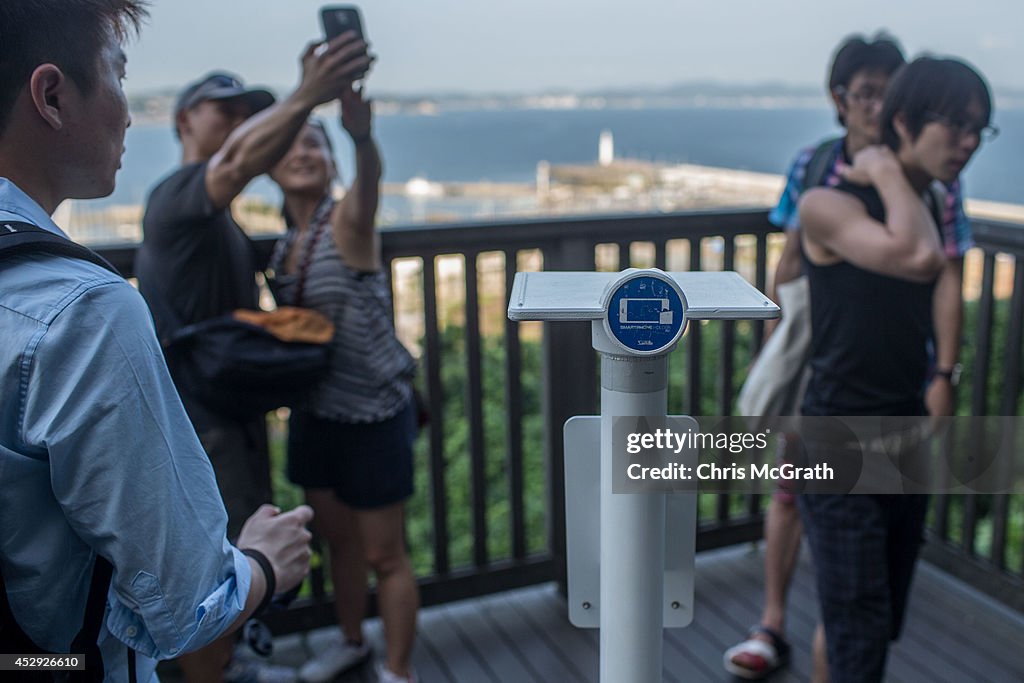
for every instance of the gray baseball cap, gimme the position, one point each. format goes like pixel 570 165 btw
pixel 222 86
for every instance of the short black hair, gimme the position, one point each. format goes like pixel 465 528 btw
pixel 932 86
pixel 66 33
pixel 881 52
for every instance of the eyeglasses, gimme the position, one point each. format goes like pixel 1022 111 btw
pixel 864 98
pixel 986 132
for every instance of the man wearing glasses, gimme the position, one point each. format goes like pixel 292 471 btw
pixel 858 78
pixel 874 261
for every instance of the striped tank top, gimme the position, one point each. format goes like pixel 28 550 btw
pixel 371 372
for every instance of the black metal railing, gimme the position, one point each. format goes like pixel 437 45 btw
pixel 980 538
pixel 459 333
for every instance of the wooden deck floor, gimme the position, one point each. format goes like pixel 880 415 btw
pixel 952 633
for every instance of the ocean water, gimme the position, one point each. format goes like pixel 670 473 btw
pixel 506 145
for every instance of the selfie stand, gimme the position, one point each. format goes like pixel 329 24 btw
pixel 630 555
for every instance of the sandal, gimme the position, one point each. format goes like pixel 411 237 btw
pixel 769 656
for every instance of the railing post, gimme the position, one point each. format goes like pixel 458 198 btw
pixel 570 388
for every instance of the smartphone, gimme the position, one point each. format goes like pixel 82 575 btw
pixel 338 19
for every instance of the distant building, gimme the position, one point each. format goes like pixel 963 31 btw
pixel 606 149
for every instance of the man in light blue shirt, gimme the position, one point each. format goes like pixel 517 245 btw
pixel 97 455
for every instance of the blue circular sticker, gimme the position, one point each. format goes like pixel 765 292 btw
pixel 645 314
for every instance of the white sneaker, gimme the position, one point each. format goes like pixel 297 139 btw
pixel 339 656
pixel 384 675
pixel 250 670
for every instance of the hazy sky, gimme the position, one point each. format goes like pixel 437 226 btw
pixel 429 46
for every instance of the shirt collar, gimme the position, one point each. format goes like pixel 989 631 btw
pixel 14 202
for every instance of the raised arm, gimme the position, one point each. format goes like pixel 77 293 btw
pixel 837 227
pixel 259 143
pixel 354 219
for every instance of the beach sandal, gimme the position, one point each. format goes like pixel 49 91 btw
pixel 766 657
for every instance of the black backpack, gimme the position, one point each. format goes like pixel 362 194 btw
pixel 816 171
pixel 21 238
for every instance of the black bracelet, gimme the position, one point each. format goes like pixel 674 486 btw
pixel 268 573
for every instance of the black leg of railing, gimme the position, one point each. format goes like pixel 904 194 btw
pixel 435 394
pixel 514 419
pixel 979 390
pixel 570 375
pixel 692 342
pixel 661 261
pixel 727 364
pixel 1008 405
pixel 625 259
pixel 727 350
pixel 474 412
pixel 761 282
pixel 983 344
pixel 693 354
pixel 389 276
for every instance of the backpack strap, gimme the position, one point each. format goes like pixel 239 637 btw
pixel 95 609
pixel 23 238
pixel 816 171
pixel 13 638
pixel 85 643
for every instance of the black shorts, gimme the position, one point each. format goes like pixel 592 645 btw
pixel 368 465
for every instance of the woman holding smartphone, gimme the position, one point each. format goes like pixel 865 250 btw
pixel 350 446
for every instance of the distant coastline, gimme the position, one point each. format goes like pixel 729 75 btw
pixel 154 107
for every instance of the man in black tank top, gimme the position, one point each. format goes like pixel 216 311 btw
pixel 857 80
pixel 872 254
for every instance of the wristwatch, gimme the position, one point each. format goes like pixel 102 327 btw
pixel 952 374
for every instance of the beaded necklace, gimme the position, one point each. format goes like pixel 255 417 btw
pixel 317 227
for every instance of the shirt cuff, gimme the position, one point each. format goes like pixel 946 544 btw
pixel 152 627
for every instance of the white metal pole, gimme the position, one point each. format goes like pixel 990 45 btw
pixel 632 531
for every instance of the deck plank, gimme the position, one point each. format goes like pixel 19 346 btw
pixel 502 654
pixel 579 644
pixel 535 644
pixel 523 636
pixel 462 656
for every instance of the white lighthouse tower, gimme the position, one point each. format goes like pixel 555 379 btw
pixel 606 149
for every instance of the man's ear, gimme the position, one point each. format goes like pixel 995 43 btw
pixel 48 89
pixel 181 122
pixel 838 102
pixel 899 124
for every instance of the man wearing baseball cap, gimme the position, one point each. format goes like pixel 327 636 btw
pixel 220 86
pixel 195 263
